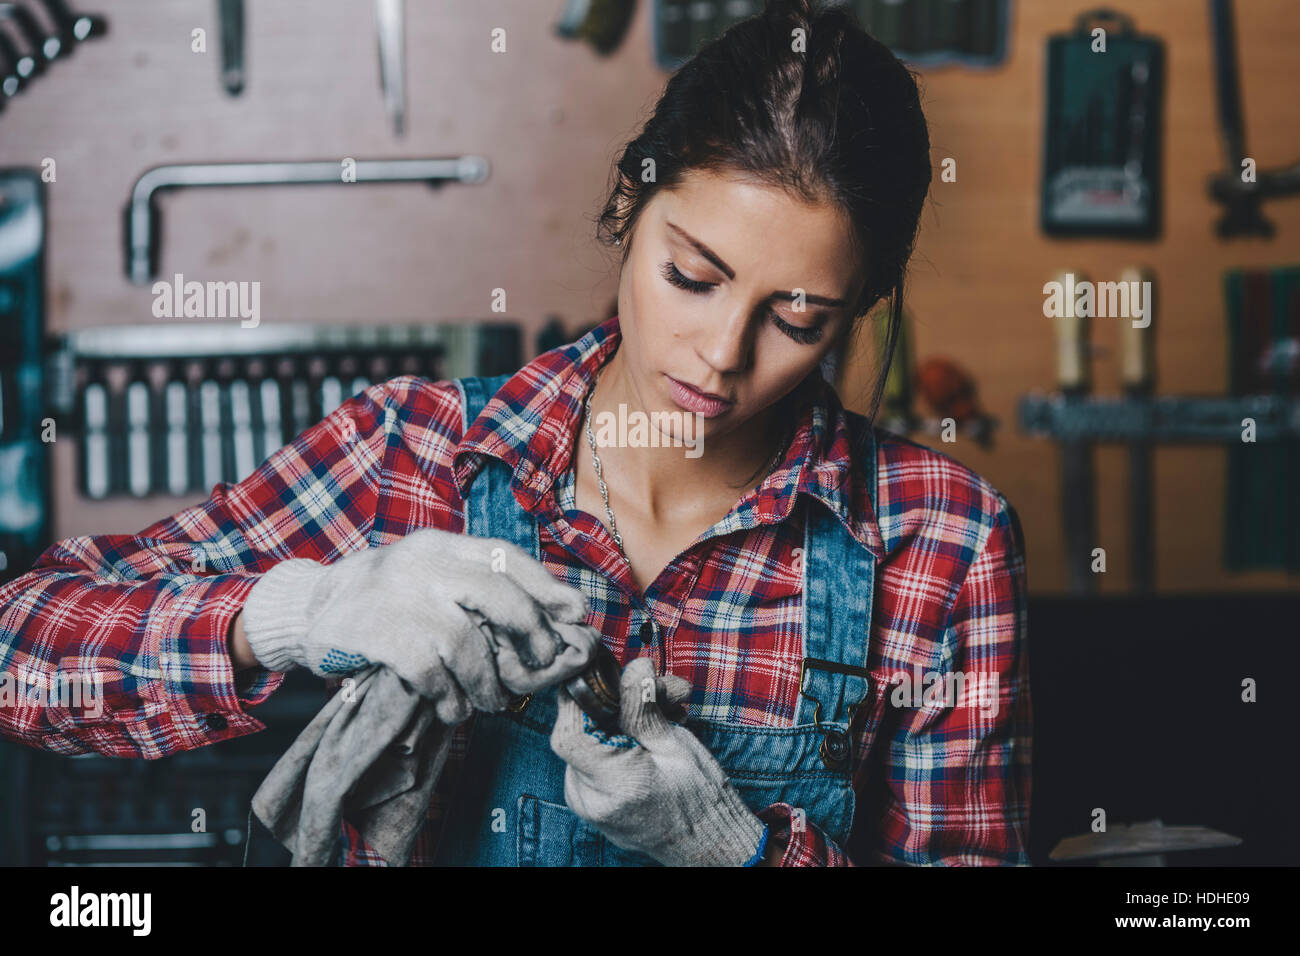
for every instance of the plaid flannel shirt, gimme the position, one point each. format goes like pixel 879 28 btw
pixel 148 614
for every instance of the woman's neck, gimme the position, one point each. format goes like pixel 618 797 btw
pixel 668 483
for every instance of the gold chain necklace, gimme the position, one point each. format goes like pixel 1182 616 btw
pixel 600 476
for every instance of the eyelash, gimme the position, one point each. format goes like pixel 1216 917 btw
pixel 696 287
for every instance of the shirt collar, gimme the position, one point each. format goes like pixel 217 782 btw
pixel 532 422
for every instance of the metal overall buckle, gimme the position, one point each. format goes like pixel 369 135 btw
pixel 837 747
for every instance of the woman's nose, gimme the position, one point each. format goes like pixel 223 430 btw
pixel 727 346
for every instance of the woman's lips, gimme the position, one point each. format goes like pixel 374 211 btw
pixel 693 401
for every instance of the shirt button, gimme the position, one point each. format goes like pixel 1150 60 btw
pixel 647 633
pixel 215 721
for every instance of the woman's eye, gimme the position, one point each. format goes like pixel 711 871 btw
pixel 805 336
pixel 670 273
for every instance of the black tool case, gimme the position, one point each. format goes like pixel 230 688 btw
pixel 1102 132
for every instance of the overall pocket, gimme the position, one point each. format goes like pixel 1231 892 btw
pixel 550 834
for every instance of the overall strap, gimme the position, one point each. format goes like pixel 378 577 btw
pixel 839 587
pixel 490 775
pixel 490 507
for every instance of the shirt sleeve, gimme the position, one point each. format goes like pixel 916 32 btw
pixel 959 765
pixel 117 643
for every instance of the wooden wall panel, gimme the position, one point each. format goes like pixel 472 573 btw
pixel 550 116
pixel 977 277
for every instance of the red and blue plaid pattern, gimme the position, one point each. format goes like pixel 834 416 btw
pixel 935 784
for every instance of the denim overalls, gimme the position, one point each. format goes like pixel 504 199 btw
pixel 509 809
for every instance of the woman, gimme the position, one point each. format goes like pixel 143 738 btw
pixel 786 572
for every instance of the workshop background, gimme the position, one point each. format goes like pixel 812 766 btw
pixel 1200 530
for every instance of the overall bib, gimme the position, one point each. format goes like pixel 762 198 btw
pixel 509 808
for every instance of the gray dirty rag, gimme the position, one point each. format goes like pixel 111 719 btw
pixel 373 754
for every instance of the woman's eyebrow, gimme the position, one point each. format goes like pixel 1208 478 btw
pixel 730 273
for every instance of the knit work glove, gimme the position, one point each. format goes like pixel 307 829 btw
pixel 655 788
pixel 470 622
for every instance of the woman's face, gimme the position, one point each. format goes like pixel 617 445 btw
pixel 733 289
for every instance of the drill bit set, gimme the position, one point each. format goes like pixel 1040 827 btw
pixel 175 409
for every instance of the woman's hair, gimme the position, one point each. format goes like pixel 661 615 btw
pixel 828 113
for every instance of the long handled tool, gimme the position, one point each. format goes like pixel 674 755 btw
pixel 230 15
pixel 390 16
pixel 1138 378
pixel 1240 196
pixel 1077 486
